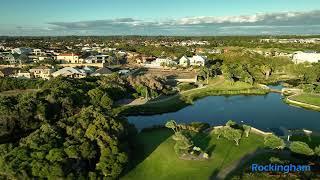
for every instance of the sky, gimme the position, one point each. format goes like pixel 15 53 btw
pixel 158 17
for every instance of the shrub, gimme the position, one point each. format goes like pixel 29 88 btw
pixel 274 142
pixel 301 148
pixel 186 86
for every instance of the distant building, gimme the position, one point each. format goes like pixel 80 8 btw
pixel 102 72
pixel 310 56
pixel 41 72
pixel 88 70
pixel 215 51
pixel 70 72
pixel 21 50
pixel 99 59
pixel 8 72
pixel 23 74
pixel 192 61
pixel 10 59
pixel 37 52
pixel 69 58
pixel 163 62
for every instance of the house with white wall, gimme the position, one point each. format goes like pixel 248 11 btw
pixel 99 59
pixel 192 61
pixel 69 58
pixel 41 72
pixel 160 62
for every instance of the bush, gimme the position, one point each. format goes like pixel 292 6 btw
pixel 186 86
pixel 7 84
pixel 274 142
pixel 301 148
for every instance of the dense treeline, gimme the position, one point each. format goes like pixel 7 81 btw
pixel 8 83
pixel 67 129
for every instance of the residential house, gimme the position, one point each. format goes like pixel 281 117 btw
pixel 10 59
pixel 307 56
pixel 37 52
pixel 21 50
pixel 69 58
pixel 99 59
pixel 102 72
pixel 70 72
pixel 42 72
pixel 192 61
pixel 184 61
pixel 88 70
pixel 163 62
pixel 8 72
pixel 215 51
pixel 24 74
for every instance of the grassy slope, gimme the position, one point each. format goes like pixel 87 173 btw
pixel 216 87
pixel 161 162
pixel 307 98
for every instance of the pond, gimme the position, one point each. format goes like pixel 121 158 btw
pixel 266 112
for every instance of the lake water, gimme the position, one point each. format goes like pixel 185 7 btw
pixel 267 112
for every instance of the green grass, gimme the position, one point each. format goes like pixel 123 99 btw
pixel 186 98
pixel 313 141
pixel 312 99
pixel 155 158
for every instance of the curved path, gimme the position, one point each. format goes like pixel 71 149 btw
pixel 301 104
pixel 142 101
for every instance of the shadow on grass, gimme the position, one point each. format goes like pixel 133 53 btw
pixel 144 144
pixel 202 140
pixel 241 165
pixel 171 105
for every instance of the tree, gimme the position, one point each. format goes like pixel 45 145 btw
pixel 317 150
pixel 232 134
pixel 231 123
pixel 55 155
pixel 183 143
pixel 301 148
pixel 266 70
pixel 274 142
pixel 205 72
pixel 106 102
pixel 247 129
pixel 96 95
pixel 218 132
pixel 172 125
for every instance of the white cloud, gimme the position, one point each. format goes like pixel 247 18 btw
pixel 281 22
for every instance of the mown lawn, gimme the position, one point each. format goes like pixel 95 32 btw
pixel 307 98
pixel 154 157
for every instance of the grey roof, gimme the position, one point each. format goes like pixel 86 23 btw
pixel 102 71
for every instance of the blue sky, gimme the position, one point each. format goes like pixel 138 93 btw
pixel 159 17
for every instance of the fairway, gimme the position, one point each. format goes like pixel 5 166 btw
pixel 313 99
pixel 155 157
